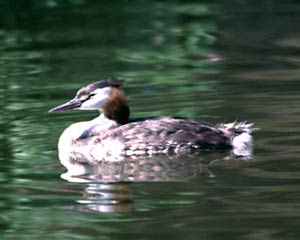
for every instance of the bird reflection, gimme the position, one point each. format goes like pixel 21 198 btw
pixel 140 169
pixel 104 197
pixel 107 185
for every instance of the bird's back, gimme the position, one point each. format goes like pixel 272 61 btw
pixel 157 135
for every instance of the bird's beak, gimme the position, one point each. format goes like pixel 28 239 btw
pixel 74 103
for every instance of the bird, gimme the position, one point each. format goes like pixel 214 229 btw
pixel 114 135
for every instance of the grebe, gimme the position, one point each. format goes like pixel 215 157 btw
pixel 113 134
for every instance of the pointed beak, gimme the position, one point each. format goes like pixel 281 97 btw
pixel 74 103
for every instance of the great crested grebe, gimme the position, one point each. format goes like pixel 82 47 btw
pixel 114 134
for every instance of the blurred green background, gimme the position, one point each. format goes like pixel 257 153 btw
pixel 215 60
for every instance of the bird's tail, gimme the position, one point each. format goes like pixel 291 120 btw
pixel 240 136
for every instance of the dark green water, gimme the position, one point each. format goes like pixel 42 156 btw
pixel 214 60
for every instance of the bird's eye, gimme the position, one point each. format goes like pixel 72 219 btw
pixel 84 98
pixel 90 96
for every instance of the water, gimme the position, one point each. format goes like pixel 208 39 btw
pixel 214 60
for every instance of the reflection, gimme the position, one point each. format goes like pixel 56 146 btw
pixel 104 197
pixel 107 184
pixel 140 169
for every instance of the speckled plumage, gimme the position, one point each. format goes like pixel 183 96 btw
pixel 113 135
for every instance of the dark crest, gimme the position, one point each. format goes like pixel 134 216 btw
pixel 112 82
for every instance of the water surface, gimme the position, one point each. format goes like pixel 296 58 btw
pixel 214 60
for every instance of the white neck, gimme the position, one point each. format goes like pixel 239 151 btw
pixel 101 119
pixel 97 125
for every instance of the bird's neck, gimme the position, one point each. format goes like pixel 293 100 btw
pixel 97 125
pixel 117 108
